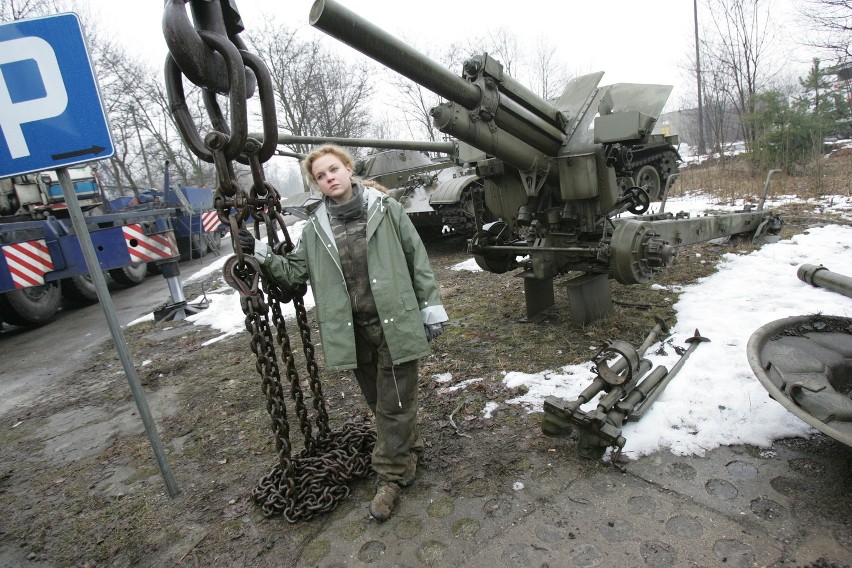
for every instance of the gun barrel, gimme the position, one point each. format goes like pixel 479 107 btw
pixel 821 277
pixel 425 146
pixel 518 111
pixel 452 119
pixel 356 32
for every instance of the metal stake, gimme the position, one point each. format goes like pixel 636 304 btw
pixel 694 341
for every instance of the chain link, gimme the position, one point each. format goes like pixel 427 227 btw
pixel 314 480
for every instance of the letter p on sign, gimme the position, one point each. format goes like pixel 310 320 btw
pixel 51 115
pixel 14 113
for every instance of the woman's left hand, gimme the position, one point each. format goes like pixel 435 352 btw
pixel 433 330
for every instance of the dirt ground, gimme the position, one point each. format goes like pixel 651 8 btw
pixel 80 485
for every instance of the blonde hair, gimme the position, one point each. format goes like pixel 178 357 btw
pixel 307 164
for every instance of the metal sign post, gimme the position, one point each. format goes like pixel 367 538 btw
pixel 105 299
pixel 51 116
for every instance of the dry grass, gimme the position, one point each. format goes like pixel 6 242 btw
pixel 732 179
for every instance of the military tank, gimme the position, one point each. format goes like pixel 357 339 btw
pixel 649 164
pixel 437 192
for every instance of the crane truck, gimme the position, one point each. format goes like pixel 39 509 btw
pixel 42 266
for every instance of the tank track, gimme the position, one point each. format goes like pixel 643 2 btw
pixel 655 158
pixel 457 220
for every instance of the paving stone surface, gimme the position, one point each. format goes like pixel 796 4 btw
pixel 734 507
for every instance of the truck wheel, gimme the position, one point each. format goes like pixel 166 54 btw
pixel 31 306
pixel 198 246
pixel 648 179
pixel 214 241
pixel 79 290
pixel 129 275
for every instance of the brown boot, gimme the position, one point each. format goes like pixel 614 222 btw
pixel 410 472
pixel 383 503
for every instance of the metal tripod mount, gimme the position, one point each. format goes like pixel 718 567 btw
pixel 628 395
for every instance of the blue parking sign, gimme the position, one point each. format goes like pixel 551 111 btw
pixel 51 114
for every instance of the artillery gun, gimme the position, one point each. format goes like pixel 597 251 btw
pixel 437 193
pixel 549 172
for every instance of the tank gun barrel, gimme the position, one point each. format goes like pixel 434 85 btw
pixel 424 146
pixel 484 90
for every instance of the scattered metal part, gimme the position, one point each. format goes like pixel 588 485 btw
pixel 626 398
pixel 628 354
pixel 804 363
pixel 822 277
pixel 639 305
pixel 453 424
pixel 555 421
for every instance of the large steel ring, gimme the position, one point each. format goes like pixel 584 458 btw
pixel 628 354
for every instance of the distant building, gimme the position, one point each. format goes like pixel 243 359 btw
pixel 840 80
pixel 718 131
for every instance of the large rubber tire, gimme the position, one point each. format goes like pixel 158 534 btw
pixel 214 241
pixel 129 275
pixel 31 306
pixel 195 245
pixel 79 290
pixel 649 179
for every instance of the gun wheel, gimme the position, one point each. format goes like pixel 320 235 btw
pixel 649 179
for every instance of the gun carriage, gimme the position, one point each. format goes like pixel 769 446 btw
pixel 550 171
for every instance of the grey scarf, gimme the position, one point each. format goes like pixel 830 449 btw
pixel 352 209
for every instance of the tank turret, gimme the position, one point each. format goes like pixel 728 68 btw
pixel 437 192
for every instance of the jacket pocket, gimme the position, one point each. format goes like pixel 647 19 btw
pixel 409 301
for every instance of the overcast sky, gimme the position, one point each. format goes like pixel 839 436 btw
pixel 643 42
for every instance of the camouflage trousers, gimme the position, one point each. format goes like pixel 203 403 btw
pixel 391 393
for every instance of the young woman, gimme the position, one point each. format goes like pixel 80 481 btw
pixel 377 304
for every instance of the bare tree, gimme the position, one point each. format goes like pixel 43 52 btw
pixel 143 128
pixel 547 72
pixel 831 22
pixel 504 46
pixel 11 10
pixel 413 102
pixel 720 117
pixel 738 50
pixel 720 121
pixel 316 92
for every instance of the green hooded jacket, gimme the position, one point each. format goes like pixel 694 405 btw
pixel 401 278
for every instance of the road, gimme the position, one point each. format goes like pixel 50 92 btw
pixel 76 335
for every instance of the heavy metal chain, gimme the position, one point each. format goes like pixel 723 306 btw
pixel 210 54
